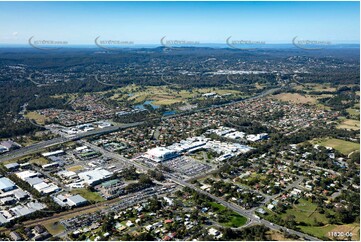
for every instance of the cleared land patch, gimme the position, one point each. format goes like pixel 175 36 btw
pixel 295 98
pixel 39 161
pixel 88 195
pixel 75 168
pixel 38 118
pixel 54 227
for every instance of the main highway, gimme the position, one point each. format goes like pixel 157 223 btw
pixel 59 140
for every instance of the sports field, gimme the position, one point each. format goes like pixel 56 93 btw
pixel 345 147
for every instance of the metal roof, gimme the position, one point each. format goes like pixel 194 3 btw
pixel 6 183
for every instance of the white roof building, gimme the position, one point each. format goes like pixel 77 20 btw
pixel 46 188
pixel 160 154
pixel 95 176
pixel 57 152
pixel 26 174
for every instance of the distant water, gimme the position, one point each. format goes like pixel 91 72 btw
pixel 202 45
pixel 149 102
pixel 168 113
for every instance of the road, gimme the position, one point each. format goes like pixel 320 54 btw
pixel 248 214
pixel 252 219
pixel 44 144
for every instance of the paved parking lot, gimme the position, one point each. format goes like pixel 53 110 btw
pixel 187 166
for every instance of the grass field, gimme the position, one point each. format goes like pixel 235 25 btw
pixel 54 227
pixel 305 211
pixel 349 228
pixel 354 112
pixel 345 147
pixel 295 98
pixel 88 195
pixel 235 220
pixel 217 206
pixel 324 231
pixel 39 119
pixel 163 95
pixel 315 87
pixel 349 124
pixel 75 168
pixel 318 231
pixel 39 161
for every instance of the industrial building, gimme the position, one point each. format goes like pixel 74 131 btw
pixel 70 200
pixel 95 176
pixel 6 184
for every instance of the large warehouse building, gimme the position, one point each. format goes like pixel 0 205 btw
pixel 160 154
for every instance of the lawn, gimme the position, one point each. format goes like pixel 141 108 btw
pixel 234 219
pixel 345 147
pixel 349 124
pixel 217 206
pixel 88 195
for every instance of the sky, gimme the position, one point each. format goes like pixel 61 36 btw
pixel 203 22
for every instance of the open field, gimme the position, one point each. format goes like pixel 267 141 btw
pixel 324 231
pixel 308 87
pixel 54 227
pixel 39 119
pixel 345 147
pixel 305 211
pixel 349 228
pixel 295 98
pixel 163 95
pixel 349 124
pixel 276 236
pixel 319 232
pixel 39 161
pixel 88 195
pixel 235 220
pixel 354 112
pixel 75 168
